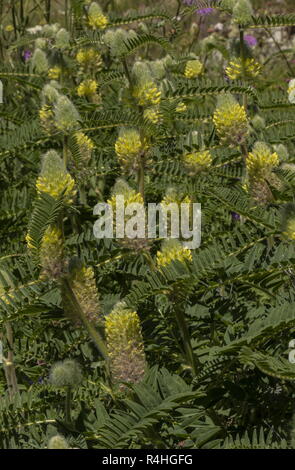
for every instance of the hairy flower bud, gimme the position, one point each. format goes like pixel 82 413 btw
pixel 258 122
pixel 242 12
pixel 66 115
pixel 39 61
pixel 62 39
pixel 58 442
pixel 65 373
pixel 125 345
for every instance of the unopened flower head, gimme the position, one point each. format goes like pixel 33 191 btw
pixel 258 122
pixel 193 68
pixel 58 442
pixel 227 5
pixel 125 345
pixel 62 39
pixel 66 115
pixel 261 160
pixel 237 69
pixel 39 61
pixel 231 121
pixel 282 152
pixel 96 18
pixel 173 250
pixel 242 12
pixel 50 93
pixel 54 179
pixel 66 373
pixel 117 39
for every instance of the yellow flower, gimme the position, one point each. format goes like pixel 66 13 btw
pixel 84 287
pixel 153 115
pixel 96 18
pixel 9 28
pixel 193 68
pixel 173 250
pixel 197 161
pixel 87 88
pixel 290 229
pixel 128 146
pixel 235 69
pixel 54 179
pixel 261 159
pixel 125 345
pixel 84 141
pixel 181 107
pixel 231 121
pixel 89 56
pixel 51 252
pixel 54 73
pixel 147 94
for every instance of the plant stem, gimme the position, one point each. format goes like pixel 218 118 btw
pixel 9 365
pixel 94 334
pixel 141 175
pixel 68 404
pixel 243 58
pixel 180 318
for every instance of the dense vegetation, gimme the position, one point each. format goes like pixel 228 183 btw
pixel 121 343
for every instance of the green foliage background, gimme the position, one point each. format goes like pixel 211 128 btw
pixel 215 330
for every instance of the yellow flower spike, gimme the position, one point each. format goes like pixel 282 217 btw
pixel 147 94
pixel 173 250
pixel 84 287
pixel 290 229
pixel 231 121
pixel 261 160
pixel 128 146
pixel 235 69
pixel 89 56
pixel 153 114
pixel 87 88
pixel 193 68
pixel 51 253
pixel 54 73
pixel 96 18
pixel 197 161
pixel 181 107
pixel 125 345
pixel 54 179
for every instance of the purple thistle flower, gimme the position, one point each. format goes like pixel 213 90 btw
pixel 188 2
pixel 27 55
pixel 250 40
pixel 205 11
